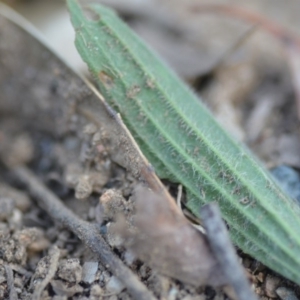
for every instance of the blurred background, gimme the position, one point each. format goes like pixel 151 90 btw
pixel 247 73
pixel 189 38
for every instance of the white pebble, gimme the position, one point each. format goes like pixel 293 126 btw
pixel 114 285
pixel 286 294
pixel 89 271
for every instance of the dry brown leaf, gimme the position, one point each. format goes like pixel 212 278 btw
pixel 164 239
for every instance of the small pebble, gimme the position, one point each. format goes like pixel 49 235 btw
pixel 129 257
pixel 112 203
pixel 83 188
pixel 21 151
pixel 114 285
pixel 96 291
pixel 90 129
pixel 19 282
pixel 113 239
pixel 260 277
pixel 144 271
pixel 96 138
pixel 271 285
pixel 286 294
pixel 89 271
pixel 173 293
pixel 16 220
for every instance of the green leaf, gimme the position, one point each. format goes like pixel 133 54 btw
pixel 185 144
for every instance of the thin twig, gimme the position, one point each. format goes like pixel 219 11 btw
pixel 223 250
pixel 10 283
pixel 54 258
pixel 20 270
pixel 85 231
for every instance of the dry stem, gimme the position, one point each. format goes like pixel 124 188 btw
pixel 224 252
pixel 10 283
pixel 54 257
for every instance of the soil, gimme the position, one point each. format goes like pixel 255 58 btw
pixel 48 123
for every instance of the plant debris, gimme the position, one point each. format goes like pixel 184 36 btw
pixel 168 242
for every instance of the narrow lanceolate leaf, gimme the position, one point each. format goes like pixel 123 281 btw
pixel 185 144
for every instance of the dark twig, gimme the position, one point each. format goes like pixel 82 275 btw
pixel 223 250
pixel 87 232
pixel 10 283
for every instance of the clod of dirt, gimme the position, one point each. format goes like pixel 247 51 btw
pixel 86 183
pixel 20 200
pixel 64 289
pixel 158 283
pixel 72 173
pixel 83 188
pixel 100 176
pixel 14 246
pixel 90 129
pixel 33 239
pixel 271 284
pixel 17 150
pixel 113 239
pixel 70 270
pixel 111 204
pixel 96 292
